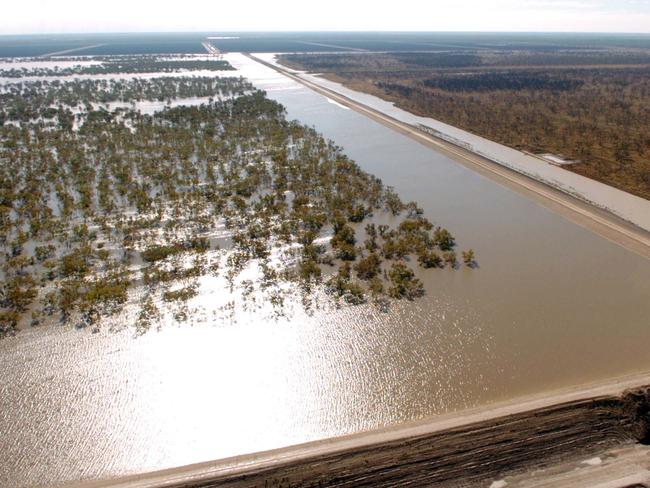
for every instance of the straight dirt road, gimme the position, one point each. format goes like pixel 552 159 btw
pixel 70 51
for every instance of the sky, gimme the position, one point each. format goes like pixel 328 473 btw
pixel 76 16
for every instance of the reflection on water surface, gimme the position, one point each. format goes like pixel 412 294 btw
pixel 551 305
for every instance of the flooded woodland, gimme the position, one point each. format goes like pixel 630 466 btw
pixel 94 202
pixel 263 267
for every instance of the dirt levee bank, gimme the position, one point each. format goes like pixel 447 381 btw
pixel 457 450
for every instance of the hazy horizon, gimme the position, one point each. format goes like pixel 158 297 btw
pixel 324 31
pixel 32 17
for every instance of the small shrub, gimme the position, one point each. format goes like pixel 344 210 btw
pixel 181 295
pixel 429 259
pixel 469 258
pixel 346 252
pixel 368 267
pixel 405 284
pixel 158 253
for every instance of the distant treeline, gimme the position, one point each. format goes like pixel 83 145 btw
pixel 439 60
pixel 567 58
pixel 122 66
pixel 511 80
pixel 371 61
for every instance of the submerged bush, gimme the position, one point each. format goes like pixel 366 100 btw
pixel 404 283
pixel 368 267
pixel 469 258
pixel 158 253
pixel 429 259
pixel 181 295
pixel 75 264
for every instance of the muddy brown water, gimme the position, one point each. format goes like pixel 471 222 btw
pixel 550 305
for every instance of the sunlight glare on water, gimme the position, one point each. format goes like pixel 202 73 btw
pixel 184 394
pixel 550 305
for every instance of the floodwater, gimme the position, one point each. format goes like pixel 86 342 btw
pixel 550 305
pixel 120 76
pixel 149 107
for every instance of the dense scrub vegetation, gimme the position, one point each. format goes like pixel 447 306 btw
pixel 103 209
pixel 589 106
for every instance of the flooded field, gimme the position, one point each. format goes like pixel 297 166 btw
pixel 550 305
